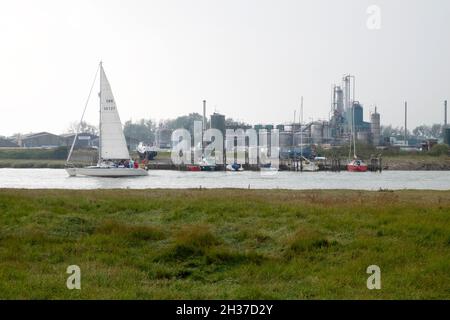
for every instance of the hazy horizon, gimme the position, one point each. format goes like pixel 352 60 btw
pixel 251 60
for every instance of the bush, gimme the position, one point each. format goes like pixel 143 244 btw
pixel 439 150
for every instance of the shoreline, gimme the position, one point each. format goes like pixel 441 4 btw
pixel 389 163
pixel 396 167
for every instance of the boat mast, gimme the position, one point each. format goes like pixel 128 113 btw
pixel 100 117
pixel 301 131
pixel 353 120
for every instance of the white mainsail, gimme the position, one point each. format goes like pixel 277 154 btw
pixel 112 140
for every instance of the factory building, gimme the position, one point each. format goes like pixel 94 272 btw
pixel 7 143
pixel 347 117
pixel 84 140
pixel 447 135
pixel 42 140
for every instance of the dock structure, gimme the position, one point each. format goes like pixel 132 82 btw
pixel 335 165
pixel 376 163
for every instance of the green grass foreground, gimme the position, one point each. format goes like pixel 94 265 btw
pixel 224 244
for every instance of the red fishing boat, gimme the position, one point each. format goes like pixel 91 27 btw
pixel 191 167
pixel 357 165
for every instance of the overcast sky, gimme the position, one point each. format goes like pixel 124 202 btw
pixel 250 59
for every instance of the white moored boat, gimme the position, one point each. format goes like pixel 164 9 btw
pixel 113 156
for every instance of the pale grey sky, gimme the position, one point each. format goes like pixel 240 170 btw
pixel 250 59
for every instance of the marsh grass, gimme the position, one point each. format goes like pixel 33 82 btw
pixel 223 244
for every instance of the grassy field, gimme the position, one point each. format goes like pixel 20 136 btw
pixel 247 244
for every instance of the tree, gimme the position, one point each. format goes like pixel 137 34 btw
pixel 389 131
pixel 423 131
pixel 83 127
pixel 142 130
pixel 439 150
pixel 183 122
pixel 436 131
pixel 235 123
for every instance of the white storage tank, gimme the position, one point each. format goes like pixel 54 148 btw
pixel 316 133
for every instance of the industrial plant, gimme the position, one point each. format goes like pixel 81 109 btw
pixel 346 122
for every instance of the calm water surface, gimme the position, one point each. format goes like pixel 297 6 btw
pixel 395 180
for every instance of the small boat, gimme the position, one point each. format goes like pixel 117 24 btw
pixel 357 165
pixel 193 167
pixel 308 165
pixel 113 151
pixel 203 165
pixel 146 152
pixel 234 167
pixel 305 164
pixel 207 164
pixel 267 168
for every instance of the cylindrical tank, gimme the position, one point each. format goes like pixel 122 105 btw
pixel 285 139
pixel 339 100
pixel 447 135
pixel 375 128
pixel 326 132
pixel 316 133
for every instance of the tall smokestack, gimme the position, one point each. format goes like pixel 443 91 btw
pixel 406 121
pixel 204 115
pixel 445 109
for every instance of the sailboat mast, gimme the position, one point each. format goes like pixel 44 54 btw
pixel 301 131
pixel 353 120
pixel 100 117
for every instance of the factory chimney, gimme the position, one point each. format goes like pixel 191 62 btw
pixel 406 122
pixel 204 115
pixel 445 112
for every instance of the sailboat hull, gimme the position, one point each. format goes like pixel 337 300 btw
pixel 310 167
pixel 106 172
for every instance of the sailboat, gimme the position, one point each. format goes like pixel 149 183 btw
pixel 306 164
pixel 113 155
pixel 356 164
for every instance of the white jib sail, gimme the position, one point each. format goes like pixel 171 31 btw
pixel 112 140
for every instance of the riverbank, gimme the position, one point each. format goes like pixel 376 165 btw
pixel 55 159
pixel 417 163
pixel 244 244
pixel 403 163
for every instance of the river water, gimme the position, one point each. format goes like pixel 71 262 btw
pixel 394 180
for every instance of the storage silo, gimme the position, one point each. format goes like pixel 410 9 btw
pixel 285 139
pixel 339 96
pixel 375 128
pixel 326 132
pixel 447 135
pixel 316 133
pixel 301 138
